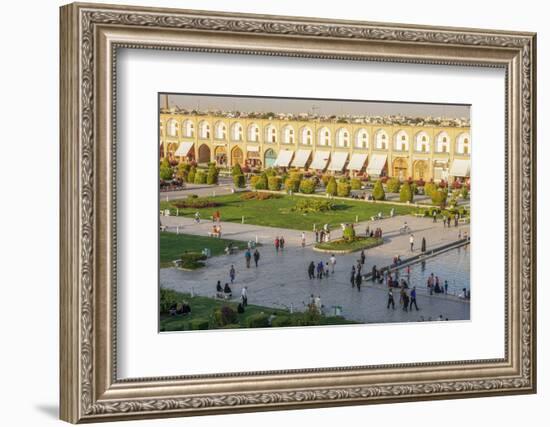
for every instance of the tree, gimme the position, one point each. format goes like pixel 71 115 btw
pixel 212 177
pixel 307 186
pixel 165 173
pixel 429 188
pixel 393 185
pixel 239 181
pixel 200 177
pixel 465 193
pixel 274 183
pixel 191 174
pixel 183 171
pixel 261 183
pixel 343 189
pixel 332 188
pixel 356 184
pixel 439 197
pixel 292 184
pixel 406 193
pixel 237 170
pixel 378 192
pixel 165 162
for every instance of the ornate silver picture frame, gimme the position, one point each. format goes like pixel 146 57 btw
pixel 91 35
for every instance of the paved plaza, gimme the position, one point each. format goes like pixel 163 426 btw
pixel 281 279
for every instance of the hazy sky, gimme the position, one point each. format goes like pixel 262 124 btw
pixel 314 106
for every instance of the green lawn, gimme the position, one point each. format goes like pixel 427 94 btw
pixel 173 245
pixel 278 212
pixel 355 245
pixel 203 308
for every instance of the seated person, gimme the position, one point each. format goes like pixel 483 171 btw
pixel 240 308
pixel 227 291
pixel 219 290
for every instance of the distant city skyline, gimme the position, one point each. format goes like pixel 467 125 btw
pixel 321 107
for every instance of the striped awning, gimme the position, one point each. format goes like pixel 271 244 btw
pixel 338 161
pixel 460 167
pixel 376 164
pixel 357 161
pixel 320 160
pixel 183 149
pixel 283 159
pixel 301 158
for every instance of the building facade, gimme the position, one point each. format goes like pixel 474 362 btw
pixel 420 151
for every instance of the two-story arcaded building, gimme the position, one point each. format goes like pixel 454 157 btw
pixel 401 147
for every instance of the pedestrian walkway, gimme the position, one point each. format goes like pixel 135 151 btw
pixel 281 280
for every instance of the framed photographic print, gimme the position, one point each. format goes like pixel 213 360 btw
pixel 266 212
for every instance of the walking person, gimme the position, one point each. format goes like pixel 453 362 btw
pixel 311 270
pixel 327 270
pixel 277 244
pixel 405 300
pixel 232 273
pixel 352 277
pixel 363 257
pixel 197 217
pixel 423 246
pixel 411 241
pixel 413 299
pixel 320 270
pixel 244 296
pixel 332 261
pixel 316 236
pixel 282 242
pixel 434 214
pixel 303 239
pixel 391 301
pixel 446 286
pixel 248 257
pixel 358 280
pixel 256 257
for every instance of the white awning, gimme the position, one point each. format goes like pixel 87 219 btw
pixel 301 158
pixel 357 161
pixel 284 158
pixel 183 149
pixel 376 164
pixel 320 160
pixel 338 161
pixel 252 148
pixel 460 167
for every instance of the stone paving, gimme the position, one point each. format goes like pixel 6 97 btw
pixel 281 279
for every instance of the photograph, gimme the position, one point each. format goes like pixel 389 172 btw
pixel 298 212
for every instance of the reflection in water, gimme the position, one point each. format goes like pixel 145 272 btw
pixel 453 266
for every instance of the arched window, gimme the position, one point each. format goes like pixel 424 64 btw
pixel 442 142
pixel 253 132
pixel 463 143
pixel 220 130
pixel 362 139
pixel 324 136
pixel 270 134
pixel 342 137
pixel 172 127
pixel 288 135
pixel 307 136
pixel 381 140
pixel 188 129
pixel 422 142
pixel 401 141
pixel 204 130
pixel 237 133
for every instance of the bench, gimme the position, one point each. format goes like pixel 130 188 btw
pixel 376 217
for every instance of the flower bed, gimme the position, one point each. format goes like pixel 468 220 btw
pixel 347 246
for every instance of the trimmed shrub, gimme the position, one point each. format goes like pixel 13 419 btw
pixel 343 189
pixel 439 197
pixel 355 184
pixel 253 180
pixel 281 321
pixel 239 181
pixel 465 193
pixel 429 188
pixel 256 195
pixel 236 170
pixel 306 205
pixel 270 172
pixel 260 320
pixel 332 187
pixel 165 173
pixel 393 185
pixel 168 298
pixel 261 183
pixel 325 179
pixel 274 183
pixel 183 171
pixel 200 177
pixel 225 315
pixel 406 194
pixel 165 162
pixel 192 260
pixel 378 191
pixel 191 174
pixel 212 176
pixel 307 186
pixel 414 188
pixel 349 233
pixel 296 175
pixel 195 203
pixel 199 324
pixel 292 185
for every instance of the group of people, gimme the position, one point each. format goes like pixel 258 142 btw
pixel 279 243
pixel 323 235
pixel 406 300
pixel 376 232
pixel 321 269
pixel 225 292
pixel 248 255
pixel 434 286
